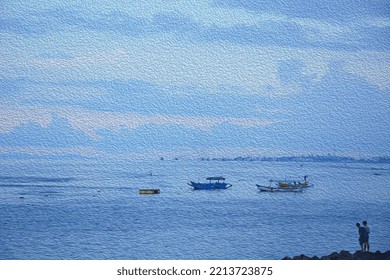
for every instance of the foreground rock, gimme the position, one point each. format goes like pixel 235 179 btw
pixel 345 255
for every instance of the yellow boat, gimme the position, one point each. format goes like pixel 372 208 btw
pixel 286 185
pixel 294 183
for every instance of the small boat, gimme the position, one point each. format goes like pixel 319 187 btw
pixel 149 191
pixel 278 189
pixel 213 183
pixel 286 185
pixel 294 183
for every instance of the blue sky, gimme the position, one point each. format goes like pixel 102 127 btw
pixel 194 78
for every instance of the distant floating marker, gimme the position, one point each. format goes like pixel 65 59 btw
pixel 149 191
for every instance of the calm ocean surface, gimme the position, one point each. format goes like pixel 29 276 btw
pixel 92 210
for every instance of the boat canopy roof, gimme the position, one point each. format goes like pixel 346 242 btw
pixel 215 178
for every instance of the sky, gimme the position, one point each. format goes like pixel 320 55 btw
pixel 194 78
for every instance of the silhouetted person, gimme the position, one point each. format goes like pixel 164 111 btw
pixel 362 236
pixel 366 245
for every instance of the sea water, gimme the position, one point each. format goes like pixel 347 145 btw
pixel 87 209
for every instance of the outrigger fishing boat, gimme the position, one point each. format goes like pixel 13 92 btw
pixel 294 183
pixel 286 185
pixel 212 184
pixel 278 189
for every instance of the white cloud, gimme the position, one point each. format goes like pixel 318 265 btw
pixel 371 66
pixel 12 117
pixel 377 22
pixel 90 122
pixel 47 151
pixel 167 62
pixel 323 31
pixel 85 60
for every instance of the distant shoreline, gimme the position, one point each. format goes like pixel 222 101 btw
pixel 309 158
pixel 346 255
pixel 329 158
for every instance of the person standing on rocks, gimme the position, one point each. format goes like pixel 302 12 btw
pixel 366 245
pixel 362 236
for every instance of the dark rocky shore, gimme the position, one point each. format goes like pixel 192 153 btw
pixel 345 255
